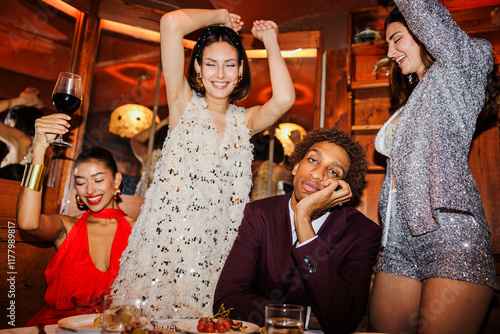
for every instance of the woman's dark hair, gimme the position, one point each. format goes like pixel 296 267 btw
pixel 492 96
pixel 12 172
pixel 355 176
pixel 160 136
pixel 98 154
pixel 212 35
pixel 401 88
pixel 24 118
pixel 261 148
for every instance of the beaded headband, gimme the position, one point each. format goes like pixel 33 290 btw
pixel 221 31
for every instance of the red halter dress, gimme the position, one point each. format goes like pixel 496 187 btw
pixel 75 285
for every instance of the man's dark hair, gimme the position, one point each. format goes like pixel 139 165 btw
pixel 355 176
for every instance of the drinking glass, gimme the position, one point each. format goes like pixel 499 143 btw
pixel 120 311
pixel 284 319
pixel 66 97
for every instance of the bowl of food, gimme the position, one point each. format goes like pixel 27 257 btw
pixel 368 35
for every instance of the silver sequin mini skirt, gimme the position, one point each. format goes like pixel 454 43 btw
pixel 459 249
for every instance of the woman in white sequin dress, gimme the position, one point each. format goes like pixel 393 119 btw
pixel 436 272
pixel 195 203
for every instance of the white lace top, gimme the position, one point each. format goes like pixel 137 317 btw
pixel 190 216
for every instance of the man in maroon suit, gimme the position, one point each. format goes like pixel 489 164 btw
pixel 307 247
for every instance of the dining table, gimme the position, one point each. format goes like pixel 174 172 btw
pixel 55 329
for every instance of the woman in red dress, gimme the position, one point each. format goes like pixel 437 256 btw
pixel 88 246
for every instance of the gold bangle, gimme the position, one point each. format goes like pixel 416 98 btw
pixel 33 177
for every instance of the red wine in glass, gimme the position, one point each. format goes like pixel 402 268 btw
pixel 66 97
pixel 66 103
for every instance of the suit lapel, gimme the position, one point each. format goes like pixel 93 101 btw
pixel 333 227
pixel 282 245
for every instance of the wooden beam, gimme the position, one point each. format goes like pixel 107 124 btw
pixel 132 59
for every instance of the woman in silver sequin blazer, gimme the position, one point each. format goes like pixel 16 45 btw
pixel 435 271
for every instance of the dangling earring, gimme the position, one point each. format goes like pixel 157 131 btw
pixel 198 81
pixel 240 77
pixel 410 78
pixel 117 194
pixel 79 201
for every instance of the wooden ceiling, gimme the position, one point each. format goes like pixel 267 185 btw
pixel 146 13
pixel 284 11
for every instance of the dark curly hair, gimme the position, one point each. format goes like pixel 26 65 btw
pixel 212 35
pixel 355 176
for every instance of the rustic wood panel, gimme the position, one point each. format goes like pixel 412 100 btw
pixel 484 161
pixel 10 191
pixel 28 257
pixel 376 161
pixel 337 111
pixel 368 203
pixel 371 106
pixel 35 41
pixel 28 273
pixel 365 67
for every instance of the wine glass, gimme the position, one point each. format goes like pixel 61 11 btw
pixel 66 97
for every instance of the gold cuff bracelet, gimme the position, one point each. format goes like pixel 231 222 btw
pixel 33 177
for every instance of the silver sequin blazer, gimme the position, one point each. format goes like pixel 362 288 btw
pixel 433 136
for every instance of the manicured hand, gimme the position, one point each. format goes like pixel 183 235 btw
pixel 236 22
pixel 262 28
pixel 48 127
pixel 30 98
pixel 335 191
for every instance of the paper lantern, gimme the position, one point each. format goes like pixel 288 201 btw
pixel 130 119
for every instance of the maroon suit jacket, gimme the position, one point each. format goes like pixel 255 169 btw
pixel 331 273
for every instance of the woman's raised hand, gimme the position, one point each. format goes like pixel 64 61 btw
pixel 262 27
pixel 30 98
pixel 48 127
pixel 236 22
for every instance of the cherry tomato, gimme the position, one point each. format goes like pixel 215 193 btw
pixel 223 326
pixel 201 327
pixel 210 327
pixel 202 319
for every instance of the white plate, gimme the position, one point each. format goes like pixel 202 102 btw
pixel 190 325
pixel 80 323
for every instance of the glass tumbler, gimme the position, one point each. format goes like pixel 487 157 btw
pixel 284 319
pixel 120 311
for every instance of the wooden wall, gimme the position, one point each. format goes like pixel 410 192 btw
pixel 23 258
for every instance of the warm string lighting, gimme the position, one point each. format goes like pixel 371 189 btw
pixel 297 53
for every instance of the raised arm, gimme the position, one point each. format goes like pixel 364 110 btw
pixel 16 139
pixel 29 202
pixel 433 25
pixel 259 118
pixel 29 98
pixel 173 27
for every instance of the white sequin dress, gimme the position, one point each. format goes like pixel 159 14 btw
pixel 191 214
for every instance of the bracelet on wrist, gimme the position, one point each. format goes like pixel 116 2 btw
pixel 33 177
